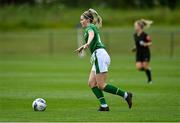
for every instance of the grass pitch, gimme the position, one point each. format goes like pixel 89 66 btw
pixel 62 82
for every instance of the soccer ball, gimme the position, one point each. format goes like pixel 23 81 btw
pixel 39 104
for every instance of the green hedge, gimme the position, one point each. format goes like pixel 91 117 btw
pixel 22 17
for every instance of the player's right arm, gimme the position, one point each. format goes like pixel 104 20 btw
pixel 147 42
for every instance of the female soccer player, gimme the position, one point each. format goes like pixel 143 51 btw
pixel 142 43
pixel 100 60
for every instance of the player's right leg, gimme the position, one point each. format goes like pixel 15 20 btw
pixel 97 92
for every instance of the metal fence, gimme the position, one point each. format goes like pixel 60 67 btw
pixel 166 42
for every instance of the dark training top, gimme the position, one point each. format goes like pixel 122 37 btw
pixel 139 38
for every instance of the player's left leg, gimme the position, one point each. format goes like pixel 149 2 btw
pixel 101 82
pixel 147 71
pixel 139 66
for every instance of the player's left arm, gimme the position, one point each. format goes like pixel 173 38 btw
pixel 148 41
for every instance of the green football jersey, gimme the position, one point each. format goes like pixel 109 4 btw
pixel 96 42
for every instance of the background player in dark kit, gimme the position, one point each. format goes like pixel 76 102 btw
pixel 142 43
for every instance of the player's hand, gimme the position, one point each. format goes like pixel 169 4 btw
pixel 79 50
pixel 133 49
pixel 142 43
pixel 86 46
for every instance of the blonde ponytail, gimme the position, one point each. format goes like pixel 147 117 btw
pixel 147 22
pixel 144 23
pixel 97 18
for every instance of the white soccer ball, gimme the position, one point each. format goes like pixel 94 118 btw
pixel 39 104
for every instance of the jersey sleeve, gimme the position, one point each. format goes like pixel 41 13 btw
pixel 89 29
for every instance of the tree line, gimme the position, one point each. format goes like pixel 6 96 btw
pixel 172 4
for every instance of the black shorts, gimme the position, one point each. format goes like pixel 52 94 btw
pixel 143 57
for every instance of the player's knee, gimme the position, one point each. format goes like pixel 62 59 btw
pixel 91 84
pixel 140 68
pixel 146 67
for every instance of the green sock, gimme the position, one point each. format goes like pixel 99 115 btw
pixel 114 90
pixel 99 94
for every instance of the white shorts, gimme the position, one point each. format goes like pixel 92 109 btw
pixel 100 61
